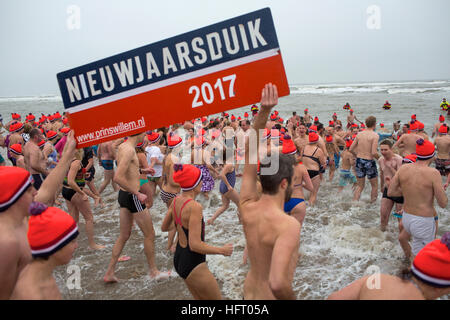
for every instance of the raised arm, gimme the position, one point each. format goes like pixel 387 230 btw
pixel 269 98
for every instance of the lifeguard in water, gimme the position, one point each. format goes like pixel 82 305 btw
pixel 387 105
pixel 347 106
pixel 444 104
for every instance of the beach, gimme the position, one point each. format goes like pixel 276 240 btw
pixel 340 240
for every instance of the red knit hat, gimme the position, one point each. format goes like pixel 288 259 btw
pixel 331 123
pixel 15 116
pixel 30 117
pixel 273 117
pixel 41 143
pixel 410 158
pixel 420 125
pixel 14 181
pixel 174 140
pixel 51 134
pixel 288 145
pixel 313 137
pixel 246 115
pixel 239 118
pixel 443 129
pixel 187 176
pixel 306 110
pixel 281 120
pixel 424 149
pixel 15 127
pixel 233 118
pixel 65 120
pixel 65 130
pixel 49 229
pixel 329 138
pixel 153 137
pixel 413 117
pixel 204 119
pixel 57 116
pixel 382 125
pixel 432 263
pixel 441 118
pixel 51 118
pixel 312 129
pixel 413 126
pixel 316 119
pixel 16 149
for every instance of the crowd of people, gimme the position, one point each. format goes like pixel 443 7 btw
pixel 44 169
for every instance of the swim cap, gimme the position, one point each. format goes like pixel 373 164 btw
pixel 410 158
pixel 153 137
pixel 432 263
pixel 16 149
pixel 49 229
pixel 174 140
pixel 14 181
pixel 15 127
pixel 288 146
pixel 313 137
pixel 443 129
pixel 187 176
pixel 424 149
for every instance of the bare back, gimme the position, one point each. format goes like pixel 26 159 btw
pixel 365 144
pixel 443 146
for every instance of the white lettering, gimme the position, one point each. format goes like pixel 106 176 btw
pixel 244 37
pixel 106 86
pixel 152 67
pixel 195 43
pixel 183 55
pixel 227 40
pixel 168 61
pixel 139 69
pixel 73 89
pixel 374 20
pixel 92 83
pixel 125 72
pixel 255 34
pixel 214 37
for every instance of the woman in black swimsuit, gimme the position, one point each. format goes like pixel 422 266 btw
pixel 77 197
pixel 190 255
pixel 314 160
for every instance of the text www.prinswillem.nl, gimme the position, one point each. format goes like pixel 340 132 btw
pixel 121 127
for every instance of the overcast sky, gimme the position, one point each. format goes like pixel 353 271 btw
pixel 322 41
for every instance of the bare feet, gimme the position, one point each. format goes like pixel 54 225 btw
pixel 158 275
pixel 210 221
pixel 97 247
pixel 123 258
pixel 110 278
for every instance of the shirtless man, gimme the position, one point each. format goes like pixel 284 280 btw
pixel 389 164
pixel 307 118
pixel 364 148
pixel 16 129
pixel 16 197
pixel 132 207
pixel 301 139
pixel 427 280
pixel 438 125
pixel 273 237
pixel 35 159
pixel 351 119
pixel 407 142
pixel 348 162
pixel 442 143
pixel 336 121
pixel 420 185
pixel 106 156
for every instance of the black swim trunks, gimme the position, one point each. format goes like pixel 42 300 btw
pixel 395 199
pixel 130 201
pixel 37 180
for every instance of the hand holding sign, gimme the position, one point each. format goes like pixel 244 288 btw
pixel 206 71
pixel 269 97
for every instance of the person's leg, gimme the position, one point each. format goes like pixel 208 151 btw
pixel 202 284
pixel 126 222
pixel 73 211
pixel 360 182
pixel 219 211
pixel 374 190
pixel 144 221
pixel 385 211
pixel 85 208
pixel 332 169
pixel 145 189
pixel 316 184
pixel 234 196
pixel 108 175
pixel 152 191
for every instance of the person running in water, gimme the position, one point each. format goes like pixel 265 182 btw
pixel 191 250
